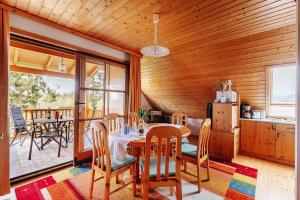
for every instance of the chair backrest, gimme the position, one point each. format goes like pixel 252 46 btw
pixel 101 151
pixel 112 123
pixel 18 117
pixel 133 119
pixel 204 138
pixel 180 118
pixel 37 114
pixel 164 137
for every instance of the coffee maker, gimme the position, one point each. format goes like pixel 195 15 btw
pixel 246 111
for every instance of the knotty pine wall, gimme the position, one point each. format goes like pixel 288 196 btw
pixel 186 79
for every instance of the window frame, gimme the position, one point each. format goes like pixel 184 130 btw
pixel 269 92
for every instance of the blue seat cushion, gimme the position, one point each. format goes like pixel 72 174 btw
pixel 153 166
pixel 185 141
pixel 117 164
pixel 189 150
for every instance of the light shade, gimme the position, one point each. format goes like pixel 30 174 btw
pixel 62 67
pixel 155 51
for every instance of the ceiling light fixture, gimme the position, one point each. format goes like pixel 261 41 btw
pixel 155 50
pixel 62 67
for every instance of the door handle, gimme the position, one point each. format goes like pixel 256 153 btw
pixel 1 136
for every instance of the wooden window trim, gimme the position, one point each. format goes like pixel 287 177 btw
pixel 269 102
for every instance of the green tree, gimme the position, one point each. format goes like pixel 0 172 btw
pixel 27 89
pixel 95 97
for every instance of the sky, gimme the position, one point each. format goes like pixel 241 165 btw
pixel 61 85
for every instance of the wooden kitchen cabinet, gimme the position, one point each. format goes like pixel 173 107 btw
pixel 258 138
pixel 225 116
pixel 224 145
pixel 267 140
pixel 285 143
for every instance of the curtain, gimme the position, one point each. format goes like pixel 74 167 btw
pixel 4 119
pixel 135 83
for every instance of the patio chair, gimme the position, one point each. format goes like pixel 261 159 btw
pixel 20 126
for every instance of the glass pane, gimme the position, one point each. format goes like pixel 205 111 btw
pixel 117 77
pixel 115 102
pixel 284 84
pixel 85 135
pixel 91 104
pixel 283 111
pixel 92 75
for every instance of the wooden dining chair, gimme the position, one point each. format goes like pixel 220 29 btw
pixel 162 170
pixel 180 118
pixel 198 154
pixel 106 165
pixel 112 123
pixel 133 119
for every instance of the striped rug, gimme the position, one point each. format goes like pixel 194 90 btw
pixel 228 181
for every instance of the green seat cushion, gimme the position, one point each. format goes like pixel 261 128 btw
pixel 153 166
pixel 185 141
pixel 189 150
pixel 117 164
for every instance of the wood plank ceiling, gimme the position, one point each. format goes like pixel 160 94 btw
pixel 209 40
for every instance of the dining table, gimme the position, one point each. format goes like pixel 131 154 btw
pixel 120 142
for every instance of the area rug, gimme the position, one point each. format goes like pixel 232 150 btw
pixel 227 181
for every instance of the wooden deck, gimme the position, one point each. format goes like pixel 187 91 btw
pixel 20 165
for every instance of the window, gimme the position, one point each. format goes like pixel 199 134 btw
pixel 281 100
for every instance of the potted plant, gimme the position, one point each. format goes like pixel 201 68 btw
pixel 142 115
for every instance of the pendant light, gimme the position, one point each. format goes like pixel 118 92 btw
pixel 155 50
pixel 62 67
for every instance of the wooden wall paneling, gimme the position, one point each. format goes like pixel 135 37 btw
pixel 242 60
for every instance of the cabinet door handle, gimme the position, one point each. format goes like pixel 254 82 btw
pixel 277 134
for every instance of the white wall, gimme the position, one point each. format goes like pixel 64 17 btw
pixel 32 26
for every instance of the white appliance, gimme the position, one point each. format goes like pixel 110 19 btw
pixel 226 97
pixel 258 114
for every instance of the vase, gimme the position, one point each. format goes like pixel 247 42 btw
pixel 141 126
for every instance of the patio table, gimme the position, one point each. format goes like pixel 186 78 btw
pixel 45 122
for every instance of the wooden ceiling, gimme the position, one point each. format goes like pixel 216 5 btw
pixel 31 59
pixel 128 23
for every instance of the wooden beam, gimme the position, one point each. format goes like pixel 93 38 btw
pixel 16 56
pixel 48 63
pixel 30 47
pixel 66 29
pixel 26 70
pixel 97 67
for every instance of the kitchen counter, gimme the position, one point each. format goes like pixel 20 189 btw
pixel 272 120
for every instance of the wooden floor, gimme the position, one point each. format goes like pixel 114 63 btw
pixel 274 182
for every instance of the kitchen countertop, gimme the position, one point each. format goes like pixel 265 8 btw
pixel 272 120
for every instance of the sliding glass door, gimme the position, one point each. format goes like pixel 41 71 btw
pixel 101 88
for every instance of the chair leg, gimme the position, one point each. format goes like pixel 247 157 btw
pixel 199 177
pixel 107 188
pixel 42 143
pixel 91 183
pixel 31 143
pixel 178 190
pixel 117 179
pixel 24 139
pixel 171 191
pixel 145 190
pixel 59 148
pixel 14 139
pixel 207 169
pixel 133 180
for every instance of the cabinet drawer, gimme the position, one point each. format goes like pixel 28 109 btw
pixel 285 128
